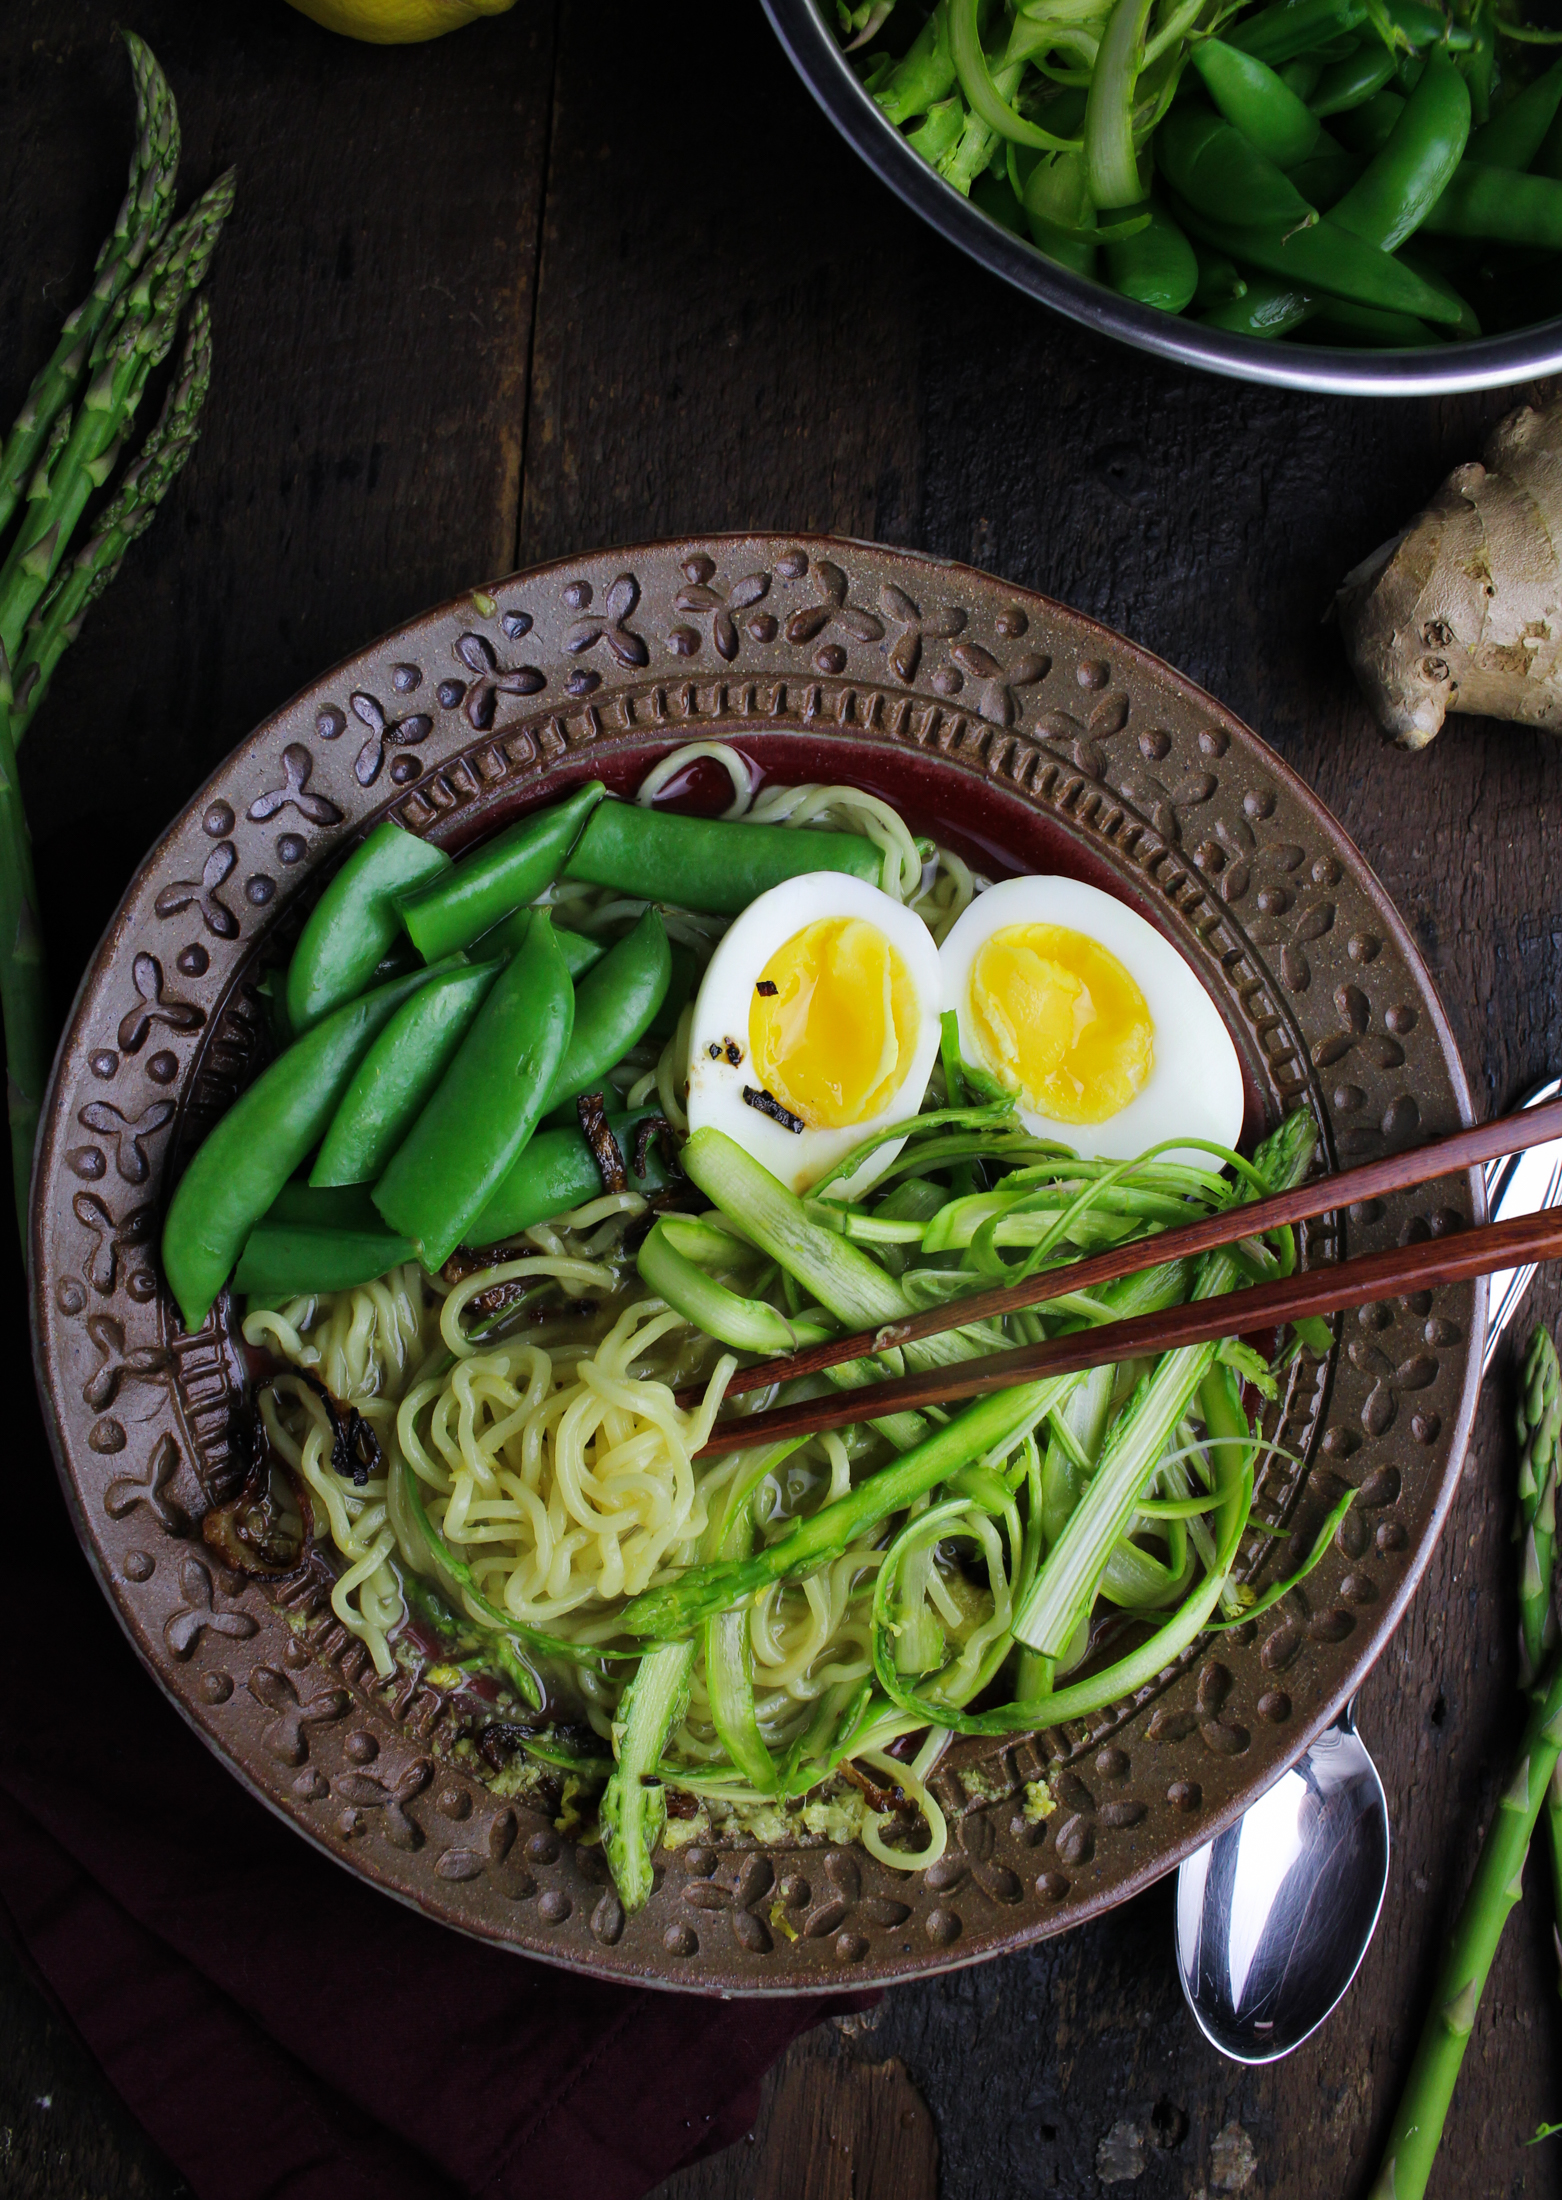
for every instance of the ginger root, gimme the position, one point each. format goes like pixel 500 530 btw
pixel 1462 610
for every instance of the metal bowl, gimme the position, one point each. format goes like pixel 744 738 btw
pixel 804 29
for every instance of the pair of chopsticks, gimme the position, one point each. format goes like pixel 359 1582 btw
pixel 1394 1273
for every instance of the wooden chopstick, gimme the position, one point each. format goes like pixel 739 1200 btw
pixel 1321 1195
pixel 1394 1273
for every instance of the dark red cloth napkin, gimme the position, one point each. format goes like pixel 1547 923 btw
pixel 278 2027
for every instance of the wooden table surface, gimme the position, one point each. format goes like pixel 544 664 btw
pixel 578 276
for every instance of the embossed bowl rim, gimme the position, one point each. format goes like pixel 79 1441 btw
pixel 1070 635
pixel 1490 362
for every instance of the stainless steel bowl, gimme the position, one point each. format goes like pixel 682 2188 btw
pixel 804 29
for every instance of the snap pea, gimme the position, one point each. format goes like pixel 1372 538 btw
pixel 313 1240
pixel 354 923
pixel 1499 204
pixel 1257 102
pixel 1367 129
pixel 1467 324
pixel 681 987
pixel 614 1007
pixel 557 1171
pixel 1399 188
pixel 1338 319
pixel 1220 280
pixel 707 863
pixel 1421 24
pixel 1211 164
pixel 1301 75
pixel 509 871
pixel 251 1152
pixel 1268 307
pixel 1480 64
pixel 1326 258
pixel 1513 138
pixel 1351 83
pixel 486 1105
pixel 1327 173
pixel 579 950
pixel 1156 266
pixel 396 1076
pixel 1295 27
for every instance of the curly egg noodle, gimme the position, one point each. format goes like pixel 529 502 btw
pixel 553 1462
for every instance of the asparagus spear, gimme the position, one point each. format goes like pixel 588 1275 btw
pixel 57 621
pixel 1539 1424
pixel 1418 2122
pixel 130 349
pixel 1539 1421
pixel 23 998
pixel 149 198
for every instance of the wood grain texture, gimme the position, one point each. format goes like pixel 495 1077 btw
pixel 734 325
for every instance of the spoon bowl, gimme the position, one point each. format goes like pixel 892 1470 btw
pixel 1274 1917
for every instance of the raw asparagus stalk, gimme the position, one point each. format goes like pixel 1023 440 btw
pixel 633 1810
pixel 149 198
pixel 137 343
pixel 1418 2122
pixel 1068 1577
pixel 58 619
pixel 23 996
pixel 1539 1423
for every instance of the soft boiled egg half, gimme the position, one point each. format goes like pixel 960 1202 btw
pixel 816 1026
pixel 1092 1020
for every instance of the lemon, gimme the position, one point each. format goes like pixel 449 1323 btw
pixel 397 22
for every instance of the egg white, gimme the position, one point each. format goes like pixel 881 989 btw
pixel 1194 1089
pixel 721 1016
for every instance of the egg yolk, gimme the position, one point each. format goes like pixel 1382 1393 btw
pixel 1061 1022
pixel 833 1025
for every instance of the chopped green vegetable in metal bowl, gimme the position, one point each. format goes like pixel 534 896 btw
pixel 1379 173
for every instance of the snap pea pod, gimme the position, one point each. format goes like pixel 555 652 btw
pixel 397 1075
pixel 1061 213
pixel 1268 307
pixel 1293 27
pixel 503 875
pixel 1501 205
pixel 1338 318
pixel 1351 83
pixel 1415 20
pixel 1212 165
pixel 707 863
pixel 486 1105
pixel 1513 138
pixel 1367 129
pixel 557 1170
pixel 1156 266
pixel 1220 281
pixel 317 1240
pixel 354 923
pixel 1402 184
pixel 614 1008
pixel 1326 258
pixel 252 1151
pixel 1257 102
pixel 580 951
pixel 1327 172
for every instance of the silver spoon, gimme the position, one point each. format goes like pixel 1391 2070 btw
pixel 1275 1915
